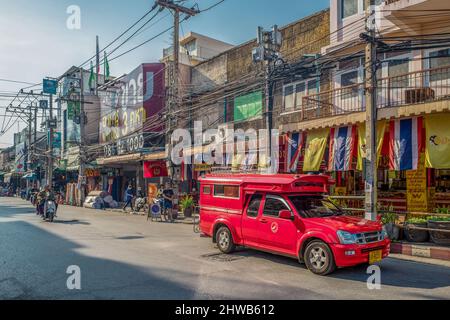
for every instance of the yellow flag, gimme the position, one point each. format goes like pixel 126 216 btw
pixel 316 142
pixel 381 128
pixel 437 154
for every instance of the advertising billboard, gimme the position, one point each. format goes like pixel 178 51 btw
pixel 131 109
pixel 20 157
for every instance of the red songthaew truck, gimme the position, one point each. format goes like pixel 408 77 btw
pixel 288 215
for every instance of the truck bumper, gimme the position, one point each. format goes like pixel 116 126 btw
pixel 346 255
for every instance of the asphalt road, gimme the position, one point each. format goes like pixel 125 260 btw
pixel 125 257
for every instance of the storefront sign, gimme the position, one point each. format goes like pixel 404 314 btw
pixel 130 102
pixel 152 191
pixel 20 157
pixel 202 167
pixel 125 146
pixel 416 187
pixel 155 169
pixel 92 172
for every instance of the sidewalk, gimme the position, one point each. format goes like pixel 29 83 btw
pixel 423 250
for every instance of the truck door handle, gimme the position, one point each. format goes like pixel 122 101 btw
pixel 263 221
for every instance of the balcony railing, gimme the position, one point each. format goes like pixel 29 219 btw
pixel 408 89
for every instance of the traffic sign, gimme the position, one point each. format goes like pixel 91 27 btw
pixel 49 86
pixel 43 104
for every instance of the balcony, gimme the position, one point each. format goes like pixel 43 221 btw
pixel 414 88
pixel 418 16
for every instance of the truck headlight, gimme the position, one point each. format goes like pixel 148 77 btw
pixel 346 237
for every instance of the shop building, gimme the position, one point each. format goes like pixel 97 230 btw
pixel 412 104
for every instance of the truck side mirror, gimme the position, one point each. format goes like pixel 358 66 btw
pixel 285 214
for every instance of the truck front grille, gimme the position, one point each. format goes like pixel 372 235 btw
pixel 368 237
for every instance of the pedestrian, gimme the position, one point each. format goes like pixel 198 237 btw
pixel 168 196
pixel 128 197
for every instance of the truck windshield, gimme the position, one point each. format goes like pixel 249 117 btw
pixel 315 207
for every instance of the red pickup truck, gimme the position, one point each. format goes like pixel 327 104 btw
pixel 288 215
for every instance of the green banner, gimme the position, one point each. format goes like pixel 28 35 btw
pixel 248 106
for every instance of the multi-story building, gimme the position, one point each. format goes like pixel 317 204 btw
pixel 228 90
pixel 413 73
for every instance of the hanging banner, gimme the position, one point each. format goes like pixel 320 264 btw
pixel 362 152
pixel 316 143
pixel 405 137
pixel 437 141
pixel 342 142
pixel 416 187
pixel 294 144
pixel 155 169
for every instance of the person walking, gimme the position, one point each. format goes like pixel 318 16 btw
pixel 128 197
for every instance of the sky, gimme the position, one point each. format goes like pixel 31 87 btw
pixel 35 41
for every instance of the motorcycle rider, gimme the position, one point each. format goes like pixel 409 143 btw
pixel 46 194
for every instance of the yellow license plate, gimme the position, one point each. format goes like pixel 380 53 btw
pixel 375 256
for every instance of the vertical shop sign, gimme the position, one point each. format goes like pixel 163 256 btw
pixel 416 187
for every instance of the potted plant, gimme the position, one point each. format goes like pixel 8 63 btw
pixel 440 223
pixel 416 235
pixel 388 219
pixel 186 204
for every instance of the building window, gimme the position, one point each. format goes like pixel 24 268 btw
pixel 294 93
pixel 439 59
pixel 399 68
pixel 349 79
pixel 349 8
pixel 289 97
pixel 191 46
pixel 226 191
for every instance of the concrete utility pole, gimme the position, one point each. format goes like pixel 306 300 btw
pixel 29 159
pixel 81 172
pixel 269 44
pixel 371 114
pixel 50 143
pixel 174 97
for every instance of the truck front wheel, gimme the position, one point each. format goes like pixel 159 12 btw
pixel 319 258
pixel 225 240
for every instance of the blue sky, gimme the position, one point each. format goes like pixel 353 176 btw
pixel 36 43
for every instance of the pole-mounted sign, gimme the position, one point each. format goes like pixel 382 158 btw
pixel 49 86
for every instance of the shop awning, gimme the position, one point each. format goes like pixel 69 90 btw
pixel 119 159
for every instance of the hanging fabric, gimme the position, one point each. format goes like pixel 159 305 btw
pixel 316 143
pixel 381 129
pixel 294 146
pixel 342 143
pixel 405 138
pixel 437 153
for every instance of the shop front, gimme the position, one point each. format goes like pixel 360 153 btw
pixel 413 162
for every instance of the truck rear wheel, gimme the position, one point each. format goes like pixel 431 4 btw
pixel 319 259
pixel 225 240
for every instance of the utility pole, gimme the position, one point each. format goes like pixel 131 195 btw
pixel 29 159
pixel 81 179
pixel 174 97
pixel 50 143
pixel 371 114
pixel 269 45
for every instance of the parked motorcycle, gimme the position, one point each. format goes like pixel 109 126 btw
pixel 141 203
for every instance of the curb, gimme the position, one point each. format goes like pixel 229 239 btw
pixel 421 250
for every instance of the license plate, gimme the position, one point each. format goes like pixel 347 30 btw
pixel 375 256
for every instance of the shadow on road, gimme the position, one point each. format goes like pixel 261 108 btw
pixel 394 272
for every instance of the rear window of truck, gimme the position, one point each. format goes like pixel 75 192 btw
pixel 226 191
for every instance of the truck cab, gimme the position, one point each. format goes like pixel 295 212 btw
pixel 288 215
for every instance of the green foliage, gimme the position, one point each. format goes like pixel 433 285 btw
pixel 389 217
pixel 442 210
pixel 417 220
pixel 439 219
pixel 187 202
